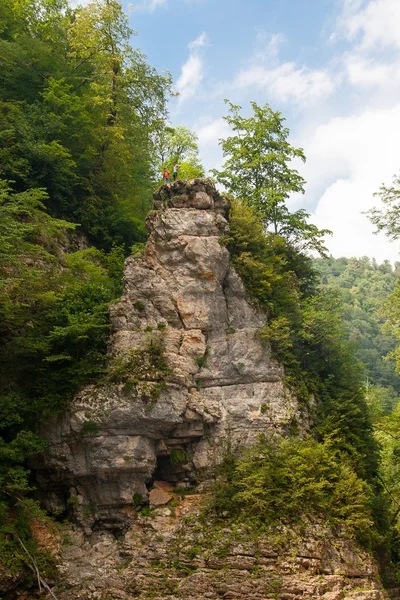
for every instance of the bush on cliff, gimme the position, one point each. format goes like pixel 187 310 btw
pixel 291 479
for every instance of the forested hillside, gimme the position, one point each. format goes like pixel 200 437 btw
pixel 369 298
pixel 364 288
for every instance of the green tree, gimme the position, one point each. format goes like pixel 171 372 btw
pixel 258 170
pixel 54 324
pixel 77 111
pixel 391 311
pixel 387 218
pixel 78 107
pixel 364 286
pixel 306 333
pixel 190 169
pixel 387 421
pixel 177 145
pixel 289 479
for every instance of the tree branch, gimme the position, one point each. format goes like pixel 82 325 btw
pixel 35 569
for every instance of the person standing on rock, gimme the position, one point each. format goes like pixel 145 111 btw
pixel 166 175
pixel 175 172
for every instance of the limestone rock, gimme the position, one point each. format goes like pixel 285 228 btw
pixel 164 486
pixel 174 556
pixel 218 383
pixel 192 377
pixel 157 497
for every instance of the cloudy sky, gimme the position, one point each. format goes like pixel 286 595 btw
pixel 332 67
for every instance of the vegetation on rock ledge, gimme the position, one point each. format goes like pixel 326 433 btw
pixel 290 480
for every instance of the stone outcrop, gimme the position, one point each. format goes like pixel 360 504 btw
pixel 173 555
pixel 189 375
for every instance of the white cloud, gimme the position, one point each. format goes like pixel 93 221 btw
pixel 213 131
pixel 287 82
pixel 368 156
pixel 192 71
pixel 149 5
pixel 375 23
pixel 268 46
pixel 367 72
pixel 372 64
pixel 198 42
pixel 209 134
pixel 190 77
pixel 349 157
pixel 284 81
pixel 350 133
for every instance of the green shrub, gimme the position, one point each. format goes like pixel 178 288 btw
pixel 137 499
pixel 289 479
pixel 137 249
pixel 15 527
pixel 177 456
pixel 201 361
pixel 139 305
pixel 277 333
pixel 143 372
pixel 148 363
pixel 89 428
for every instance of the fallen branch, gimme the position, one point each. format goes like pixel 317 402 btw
pixel 35 569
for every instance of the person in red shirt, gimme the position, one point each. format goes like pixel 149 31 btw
pixel 166 175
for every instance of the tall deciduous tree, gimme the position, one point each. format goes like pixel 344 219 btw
pixel 77 109
pixel 387 218
pixel 178 145
pixel 175 143
pixel 78 106
pixel 257 169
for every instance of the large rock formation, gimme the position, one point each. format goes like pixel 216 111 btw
pixel 189 375
pixel 189 379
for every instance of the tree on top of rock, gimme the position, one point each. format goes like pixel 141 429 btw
pixel 177 145
pixel 257 170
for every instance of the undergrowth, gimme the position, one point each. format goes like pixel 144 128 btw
pixel 289 480
pixel 143 371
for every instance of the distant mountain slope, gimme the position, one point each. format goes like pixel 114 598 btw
pixel 364 285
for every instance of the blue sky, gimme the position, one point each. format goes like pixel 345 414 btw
pixel 332 67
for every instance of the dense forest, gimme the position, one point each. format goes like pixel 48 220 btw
pixel 84 134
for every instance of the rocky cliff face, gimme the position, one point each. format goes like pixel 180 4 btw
pixel 189 375
pixel 173 555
